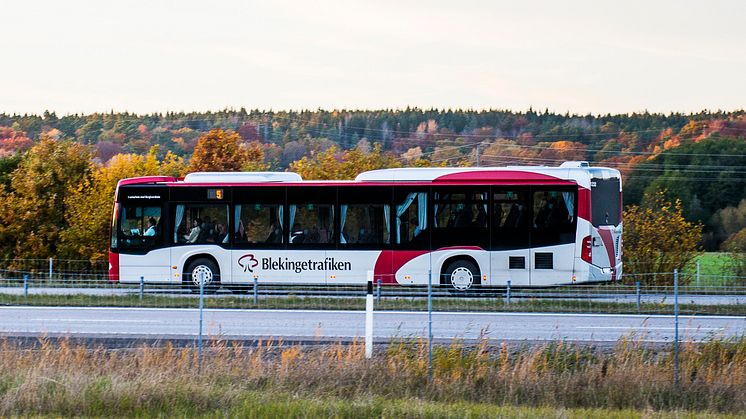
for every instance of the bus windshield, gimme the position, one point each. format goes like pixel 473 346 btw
pixel 606 202
pixel 136 227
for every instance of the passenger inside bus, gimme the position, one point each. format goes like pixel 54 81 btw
pixel 221 235
pixel 194 233
pixel 275 234
pixel 297 235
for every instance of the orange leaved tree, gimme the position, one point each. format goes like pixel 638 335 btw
pixel 658 239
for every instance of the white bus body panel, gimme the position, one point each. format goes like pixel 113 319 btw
pixel 563 263
pixel 501 272
pixel 361 261
pixel 153 267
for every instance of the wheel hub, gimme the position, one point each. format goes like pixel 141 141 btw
pixel 462 279
pixel 201 274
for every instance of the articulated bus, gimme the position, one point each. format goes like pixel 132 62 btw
pixel 462 228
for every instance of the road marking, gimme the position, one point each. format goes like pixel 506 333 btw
pixel 648 327
pixel 362 312
pixel 97 320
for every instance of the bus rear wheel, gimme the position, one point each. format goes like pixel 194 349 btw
pixel 203 271
pixel 461 276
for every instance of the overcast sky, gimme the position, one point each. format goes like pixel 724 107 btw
pixel 578 56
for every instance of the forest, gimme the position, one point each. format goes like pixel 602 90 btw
pixel 58 173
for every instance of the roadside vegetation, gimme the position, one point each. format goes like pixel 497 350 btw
pixel 271 379
pixel 537 304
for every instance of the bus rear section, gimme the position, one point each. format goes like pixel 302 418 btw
pixel 604 244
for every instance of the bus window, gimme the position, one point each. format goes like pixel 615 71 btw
pixel 139 228
pixel 411 217
pixel 364 224
pixel 510 214
pixel 310 224
pixel 459 218
pixel 258 223
pixel 553 219
pixel 201 224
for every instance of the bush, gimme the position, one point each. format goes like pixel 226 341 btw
pixel 658 239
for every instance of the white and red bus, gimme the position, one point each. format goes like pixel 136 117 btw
pixel 469 227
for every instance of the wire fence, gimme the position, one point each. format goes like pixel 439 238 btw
pixel 47 282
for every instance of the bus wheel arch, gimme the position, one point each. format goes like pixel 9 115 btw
pixel 460 273
pixel 205 264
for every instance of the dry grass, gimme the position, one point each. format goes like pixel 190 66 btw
pixel 64 379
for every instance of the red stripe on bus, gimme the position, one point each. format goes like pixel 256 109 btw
pixel 609 244
pixel 390 261
pixel 584 204
pixel 113 267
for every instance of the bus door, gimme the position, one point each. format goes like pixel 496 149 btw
pixel 138 238
pixel 200 228
pixel 553 234
pixel 510 256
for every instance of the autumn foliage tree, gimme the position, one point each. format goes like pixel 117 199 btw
pixel 225 151
pixel 89 203
pixel 32 209
pixel 334 164
pixel 658 239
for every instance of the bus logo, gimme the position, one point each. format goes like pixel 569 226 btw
pixel 248 262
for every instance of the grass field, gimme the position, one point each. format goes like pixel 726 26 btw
pixel 351 303
pixel 272 380
pixel 714 269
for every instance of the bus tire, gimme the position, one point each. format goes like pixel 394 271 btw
pixel 461 276
pixel 203 268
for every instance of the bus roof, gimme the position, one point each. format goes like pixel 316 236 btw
pixel 577 171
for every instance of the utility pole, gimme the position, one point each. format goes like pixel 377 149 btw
pixel 479 160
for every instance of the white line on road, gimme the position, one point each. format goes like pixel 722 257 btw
pixel 385 312
pixel 56 319
pixel 643 327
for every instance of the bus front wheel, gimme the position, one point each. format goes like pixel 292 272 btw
pixel 461 275
pixel 203 271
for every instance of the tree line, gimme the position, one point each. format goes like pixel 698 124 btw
pixel 58 174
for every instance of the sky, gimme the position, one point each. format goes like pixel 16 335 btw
pixel 581 57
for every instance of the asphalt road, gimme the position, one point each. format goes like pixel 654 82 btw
pixel 310 325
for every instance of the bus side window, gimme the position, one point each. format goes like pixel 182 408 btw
pixel 200 224
pixel 311 224
pixel 258 223
pixel 510 219
pixel 553 217
pixel 411 217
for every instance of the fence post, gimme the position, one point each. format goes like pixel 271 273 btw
pixel 25 286
pixel 637 292
pixel 369 317
pixel 378 291
pixel 507 294
pixel 698 274
pixel 50 269
pixel 201 309
pixel 430 325
pixel 142 287
pixel 676 327
pixel 256 290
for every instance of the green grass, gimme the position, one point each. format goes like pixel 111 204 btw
pixel 261 405
pixel 713 268
pixel 322 303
